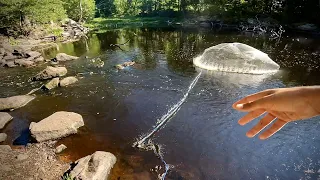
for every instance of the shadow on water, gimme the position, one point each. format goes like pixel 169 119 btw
pixel 203 140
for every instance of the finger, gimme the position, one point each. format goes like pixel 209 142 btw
pixel 276 126
pixel 264 122
pixel 251 116
pixel 262 103
pixel 253 97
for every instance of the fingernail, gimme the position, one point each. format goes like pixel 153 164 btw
pixel 240 106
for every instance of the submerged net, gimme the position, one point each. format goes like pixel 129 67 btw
pixel 236 57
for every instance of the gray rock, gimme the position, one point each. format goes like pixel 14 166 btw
pixel 94 167
pixel 67 81
pixel 56 126
pixel 9 57
pixel 24 62
pixel 50 72
pixel 4 119
pixel 60 148
pixel 15 102
pixel 5 148
pixel 22 157
pixel 2 51
pixel 31 55
pixel 10 64
pixel 65 57
pixel 52 84
pixel 39 59
pixel 3 137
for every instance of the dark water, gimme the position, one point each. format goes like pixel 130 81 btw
pixel 203 140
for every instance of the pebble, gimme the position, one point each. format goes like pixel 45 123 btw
pixel 60 148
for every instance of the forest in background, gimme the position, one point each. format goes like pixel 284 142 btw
pixel 23 15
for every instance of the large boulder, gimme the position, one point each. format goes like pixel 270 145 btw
pixel 4 119
pixel 67 81
pixel 15 102
pixel 94 167
pixel 52 84
pixel 56 126
pixel 65 57
pixel 50 72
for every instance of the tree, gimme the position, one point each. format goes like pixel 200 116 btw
pixel 80 10
pixel 16 14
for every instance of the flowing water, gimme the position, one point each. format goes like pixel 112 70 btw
pixel 202 140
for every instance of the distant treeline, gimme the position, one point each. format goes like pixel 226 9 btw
pixel 285 11
pixel 18 14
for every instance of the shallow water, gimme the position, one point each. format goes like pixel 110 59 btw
pixel 203 139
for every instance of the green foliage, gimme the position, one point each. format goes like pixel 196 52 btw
pixel 80 10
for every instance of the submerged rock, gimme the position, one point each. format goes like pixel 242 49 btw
pixel 60 148
pixel 3 137
pixel 52 84
pixel 65 57
pixel 56 126
pixel 4 119
pixel 50 72
pixel 67 81
pixel 15 102
pixel 96 166
pixel 130 63
pixel 119 66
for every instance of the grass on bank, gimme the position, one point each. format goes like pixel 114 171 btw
pixel 104 23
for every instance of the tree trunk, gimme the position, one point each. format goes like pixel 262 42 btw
pixel 80 19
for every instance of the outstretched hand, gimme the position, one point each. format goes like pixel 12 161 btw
pixel 279 105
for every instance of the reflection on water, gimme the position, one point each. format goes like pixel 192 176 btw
pixel 203 140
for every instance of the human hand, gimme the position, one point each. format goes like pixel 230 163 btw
pixel 280 105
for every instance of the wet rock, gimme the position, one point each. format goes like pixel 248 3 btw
pixel 3 137
pixel 67 81
pixel 130 63
pixel 15 102
pixel 52 84
pixel 56 126
pixel 308 27
pixel 22 157
pixel 4 119
pixel 119 66
pixel 60 148
pixel 65 57
pixel 50 72
pixel 24 63
pixel 96 166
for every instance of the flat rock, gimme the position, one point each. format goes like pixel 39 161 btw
pixel 39 59
pixel 67 81
pixel 52 84
pixel 15 102
pixel 56 126
pixel 3 137
pixel 9 57
pixel 5 148
pixel 33 55
pixel 24 62
pixel 65 57
pixel 94 167
pixel 50 72
pixel 4 119
pixel 60 148
pixel 9 64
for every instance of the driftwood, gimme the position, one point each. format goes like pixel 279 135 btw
pixel 119 45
